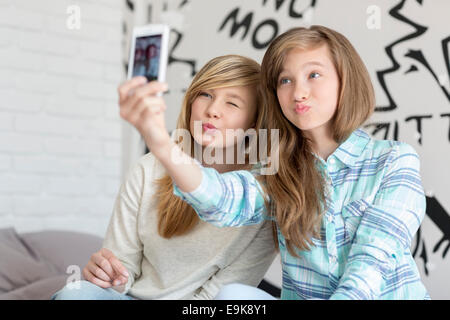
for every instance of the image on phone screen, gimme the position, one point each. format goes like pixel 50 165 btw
pixel 147 56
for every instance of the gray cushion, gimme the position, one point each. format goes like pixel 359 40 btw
pixel 38 290
pixel 34 265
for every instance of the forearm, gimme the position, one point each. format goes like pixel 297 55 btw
pixel 229 199
pixel 361 281
pixel 368 266
pixel 185 173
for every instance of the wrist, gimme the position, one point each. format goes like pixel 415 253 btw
pixel 163 148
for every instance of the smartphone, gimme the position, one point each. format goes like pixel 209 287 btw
pixel 149 52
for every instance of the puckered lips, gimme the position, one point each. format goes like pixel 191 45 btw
pixel 301 108
pixel 208 127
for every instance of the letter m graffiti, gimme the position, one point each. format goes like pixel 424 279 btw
pixel 245 23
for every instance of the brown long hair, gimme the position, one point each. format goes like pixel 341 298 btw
pixel 175 216
pixel 297 189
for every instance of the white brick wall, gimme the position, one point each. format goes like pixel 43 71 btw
pixel 60 133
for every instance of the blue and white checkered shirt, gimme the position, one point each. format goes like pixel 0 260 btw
pixel 375 206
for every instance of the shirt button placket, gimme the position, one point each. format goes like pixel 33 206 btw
pixel 330 226
pixel 331 244
pixel 333 260
pixel 330 218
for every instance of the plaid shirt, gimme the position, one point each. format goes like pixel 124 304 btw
pixel 375 206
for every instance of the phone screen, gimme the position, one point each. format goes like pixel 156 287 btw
pixel 147 57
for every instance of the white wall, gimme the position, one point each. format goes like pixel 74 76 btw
pixel 60 134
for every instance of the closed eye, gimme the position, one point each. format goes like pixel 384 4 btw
pixel 233 104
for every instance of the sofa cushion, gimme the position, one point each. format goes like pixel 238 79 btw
pixel 34 265
pixel 60 249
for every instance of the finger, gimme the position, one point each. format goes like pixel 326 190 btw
pixel 118 267
pixel 91 278
pixel 123 279
pixel 103 263
pixel 97 271
pixel 132 113
pixel 150 89
pixel 115 263
pixel 125 88
pixel 154 104
pixel 120 280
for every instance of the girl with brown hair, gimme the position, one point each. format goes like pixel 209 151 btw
pixel 346 206
pixel 155 243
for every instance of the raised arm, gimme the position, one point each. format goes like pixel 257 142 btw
pixel 142 105
pixel 237 196
pixel 229 199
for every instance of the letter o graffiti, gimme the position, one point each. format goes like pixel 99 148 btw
pixel 261 45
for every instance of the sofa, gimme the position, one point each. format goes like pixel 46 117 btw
pixel 34 265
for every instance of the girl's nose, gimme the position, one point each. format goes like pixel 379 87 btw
pixel 213 110
pixel 301 93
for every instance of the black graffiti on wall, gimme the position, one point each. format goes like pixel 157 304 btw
pixel 441 218
pixel 244 25
pixel 126 32
pixel 247 24
pixel 175 34
pixel 390 129
pixel 173 59
pixel 416 57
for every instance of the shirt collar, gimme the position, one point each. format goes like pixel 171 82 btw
pixel 352 148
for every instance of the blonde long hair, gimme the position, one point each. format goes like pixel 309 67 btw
pixel 176 217
pixel 297 189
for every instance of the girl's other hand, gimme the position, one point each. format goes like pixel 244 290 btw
pixel 105 270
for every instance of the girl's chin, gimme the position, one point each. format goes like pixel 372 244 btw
pixel 211 144
pixel 304 125
pixel 205 140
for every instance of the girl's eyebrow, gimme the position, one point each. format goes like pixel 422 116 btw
pixel 233 95
pixel 313 63
pixel 307 64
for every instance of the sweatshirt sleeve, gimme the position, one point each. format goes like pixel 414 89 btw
pixel 248 268
pixel 121 235
pixel 229 199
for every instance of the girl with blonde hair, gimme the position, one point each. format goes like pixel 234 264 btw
pixel 346 206
pixel 155 244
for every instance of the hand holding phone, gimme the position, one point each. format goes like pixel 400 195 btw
pixel 142 105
